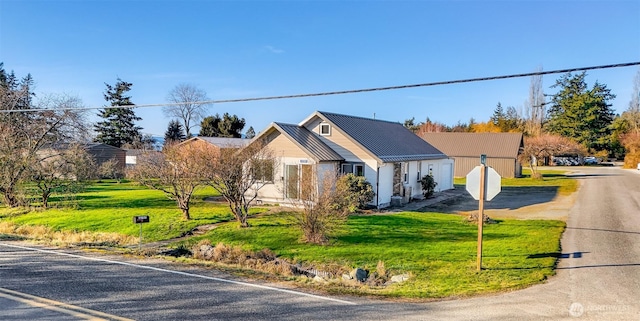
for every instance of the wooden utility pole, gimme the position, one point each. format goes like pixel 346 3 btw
pixel 483 170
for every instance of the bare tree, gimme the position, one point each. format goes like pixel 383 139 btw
pixel 188 106
pixel 177 171
pixel 546 145
pixel 238 175
pixel 535 107
pixel 324 205
pixel 60 169
pixel 24 134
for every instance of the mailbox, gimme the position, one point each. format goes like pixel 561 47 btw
pixel 141 219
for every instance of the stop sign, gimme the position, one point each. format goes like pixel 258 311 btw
pixel 491 183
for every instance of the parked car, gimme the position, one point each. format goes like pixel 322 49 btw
pixel 590 160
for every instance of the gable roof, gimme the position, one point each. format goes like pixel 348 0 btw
pixel 498 145
pixel 385 140
pixel 307 141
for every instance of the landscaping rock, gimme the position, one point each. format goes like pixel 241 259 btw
pixel 360 274
pixel 399 278
pixel 318 279
pixel 347 277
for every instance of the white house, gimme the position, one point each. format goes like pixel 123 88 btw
pixel 389 156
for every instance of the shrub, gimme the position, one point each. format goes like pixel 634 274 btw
pixel 428 185
pixel 356 190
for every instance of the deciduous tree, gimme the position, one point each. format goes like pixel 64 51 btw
pixel 538 148
pixel 238 175
pixel 188 105
pixel 177 171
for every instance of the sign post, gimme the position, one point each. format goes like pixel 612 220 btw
pixel 483 170
pixel 140 220
pixel 483 183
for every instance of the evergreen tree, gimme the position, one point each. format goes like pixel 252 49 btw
pixel 118 127
pixel 250 133
pixel 225 126
pixel 582 114
pixel 231 126
pixel 209 126
pixel 174 132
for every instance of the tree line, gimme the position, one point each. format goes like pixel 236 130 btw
pixel 577 120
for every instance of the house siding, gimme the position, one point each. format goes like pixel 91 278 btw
pixel 340 143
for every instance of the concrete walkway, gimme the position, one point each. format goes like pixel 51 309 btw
pixel 438 197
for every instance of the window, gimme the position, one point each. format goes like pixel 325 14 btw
pixel 405 170
pixel 325 129
pixel 263 170
pixel 350 168
pixel 358 170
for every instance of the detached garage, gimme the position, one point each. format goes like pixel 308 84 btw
pixel 502 150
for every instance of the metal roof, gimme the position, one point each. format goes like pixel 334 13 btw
pixel 388 141
pixel 496 145
pixel 309 142
pixel 224 142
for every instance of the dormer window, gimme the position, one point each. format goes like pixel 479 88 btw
pixel 325 129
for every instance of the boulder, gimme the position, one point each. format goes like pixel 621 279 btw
pixel 360 274
pixel 347 277
pixel 399 278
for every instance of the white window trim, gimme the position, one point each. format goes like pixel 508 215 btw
pixel 328 129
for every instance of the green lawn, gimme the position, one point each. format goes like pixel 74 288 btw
pixel 551 178
pixel 110 207
pixel 438 250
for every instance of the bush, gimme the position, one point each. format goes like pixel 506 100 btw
pixel 357 191
pixel 428 185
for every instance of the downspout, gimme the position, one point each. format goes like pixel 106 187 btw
pixel 378 187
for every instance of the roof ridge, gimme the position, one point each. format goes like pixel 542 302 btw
pixel 358 117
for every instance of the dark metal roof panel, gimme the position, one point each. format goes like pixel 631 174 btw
pixel 311 142
pixel 389 141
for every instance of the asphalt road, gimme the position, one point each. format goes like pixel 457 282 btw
pixel 598 279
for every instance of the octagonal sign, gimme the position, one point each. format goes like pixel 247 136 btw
pixel 491 183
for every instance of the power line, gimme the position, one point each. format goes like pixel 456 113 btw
pixel 352 91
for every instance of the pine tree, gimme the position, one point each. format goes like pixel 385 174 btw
pixel 582 114
pixel 118 127
pixel 250 133
pixel 174 132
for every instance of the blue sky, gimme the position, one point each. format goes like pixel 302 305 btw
pixel 247 49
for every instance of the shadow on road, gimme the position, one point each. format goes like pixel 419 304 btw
pixel 601 230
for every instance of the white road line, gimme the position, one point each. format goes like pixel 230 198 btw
pixel 264 287
pixel 72 310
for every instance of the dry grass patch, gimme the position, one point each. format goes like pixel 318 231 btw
pixel 66 238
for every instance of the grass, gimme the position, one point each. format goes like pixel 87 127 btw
pixel 438 250
pixel 551 178
pixel 110 207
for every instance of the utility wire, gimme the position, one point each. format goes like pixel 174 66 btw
pixel 343 92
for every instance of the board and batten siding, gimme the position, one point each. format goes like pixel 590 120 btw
pixel 506 167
